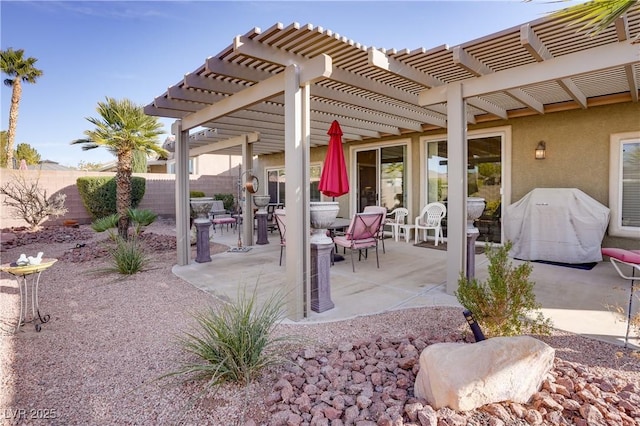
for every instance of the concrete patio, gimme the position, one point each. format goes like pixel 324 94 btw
pixel 580 301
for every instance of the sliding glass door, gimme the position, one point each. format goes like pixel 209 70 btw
pixel 381 177
pixel 484 179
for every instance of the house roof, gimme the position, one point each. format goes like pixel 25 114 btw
pixel 536 68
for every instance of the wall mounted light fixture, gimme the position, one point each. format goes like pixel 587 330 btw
pixel 541 151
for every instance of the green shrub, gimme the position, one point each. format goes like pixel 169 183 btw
pixel 235 342
pixel 107 223
pixel 227 200
pixel 196 194
pixel 141 218
pixel 504 304
pixel 128 256
pixel 98 194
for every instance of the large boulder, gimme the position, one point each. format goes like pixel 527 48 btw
pixel 464 376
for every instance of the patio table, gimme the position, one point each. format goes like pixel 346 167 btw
pixel 22 274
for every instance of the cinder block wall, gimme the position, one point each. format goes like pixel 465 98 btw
pixel 159 195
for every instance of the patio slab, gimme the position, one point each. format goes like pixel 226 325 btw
pixel 578 301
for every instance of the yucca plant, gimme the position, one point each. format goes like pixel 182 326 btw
pixel 128 256
pixel 235 341
pixel 504 304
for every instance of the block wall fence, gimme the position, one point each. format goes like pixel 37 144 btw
pixel 159 195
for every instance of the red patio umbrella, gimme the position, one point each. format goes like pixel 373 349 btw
pixel 334 181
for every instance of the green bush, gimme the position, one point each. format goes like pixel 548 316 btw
pixel 98 194
pixel 227 200
pixel 196 194
pixel 504 304
pixel 235 342
pixel 128 257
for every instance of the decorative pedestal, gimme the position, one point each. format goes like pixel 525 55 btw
pixel 262 228
pixel 203 252
pixel 475 207
pixel 320 277
pixel 471 252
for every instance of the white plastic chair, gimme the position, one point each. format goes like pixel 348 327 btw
pixel 431 218
pixel 396 219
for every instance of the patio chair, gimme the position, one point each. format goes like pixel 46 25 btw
pixel 383 212
pixel 630 258
pixel 279 215
pixel 396 219
pixel 362 234
pixel 431 218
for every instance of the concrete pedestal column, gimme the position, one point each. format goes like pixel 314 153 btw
pixel 203 252
pixel 320 277
pixel 262 228
pixel 472 236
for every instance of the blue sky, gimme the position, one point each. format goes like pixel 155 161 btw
pixel 136 49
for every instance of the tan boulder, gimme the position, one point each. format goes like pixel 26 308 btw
pixel 464 376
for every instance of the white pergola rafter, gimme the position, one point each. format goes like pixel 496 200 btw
pixel 539 51
pixel 477 68
pixel 583 62
pixel 622 31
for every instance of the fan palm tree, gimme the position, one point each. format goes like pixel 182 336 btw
pixel 595 15
pixel 19 69
pixel 123 128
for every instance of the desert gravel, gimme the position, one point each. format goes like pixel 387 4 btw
pixel 109 340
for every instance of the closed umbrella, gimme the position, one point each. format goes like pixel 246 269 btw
pixel 334 181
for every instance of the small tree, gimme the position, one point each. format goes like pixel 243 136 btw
pixel 26 152
pixel 123 128
pixel 502 302
pixel 30 202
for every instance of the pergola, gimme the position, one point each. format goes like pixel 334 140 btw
pixel 279 90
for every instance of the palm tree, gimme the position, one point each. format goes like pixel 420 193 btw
pixel 123 128
pixel 19 69
pixel 595 15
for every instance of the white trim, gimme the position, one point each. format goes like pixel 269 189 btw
pixel 353 172
pixel 615 183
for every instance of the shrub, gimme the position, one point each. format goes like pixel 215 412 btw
pixel 227 200
pixel 141 218
pixel 196 194
pixel 502 302
pixel 30 202
pixel 107 223
pixel 235 342
pixel 128 256
pixel 98 194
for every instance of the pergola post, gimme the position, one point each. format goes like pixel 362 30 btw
pixel 457 152
pixel 181 155
pixel 296 140
pixel 247 208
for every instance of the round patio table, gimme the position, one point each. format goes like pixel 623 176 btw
pixel 29 276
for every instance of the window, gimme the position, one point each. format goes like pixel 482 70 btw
pixel 624 185
pixel 276 184
pixel 171 166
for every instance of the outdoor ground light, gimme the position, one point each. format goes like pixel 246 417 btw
pixel 541 150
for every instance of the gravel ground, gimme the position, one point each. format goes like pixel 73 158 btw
pixel 109 340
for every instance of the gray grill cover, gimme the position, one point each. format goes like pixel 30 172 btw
pixel 556 224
